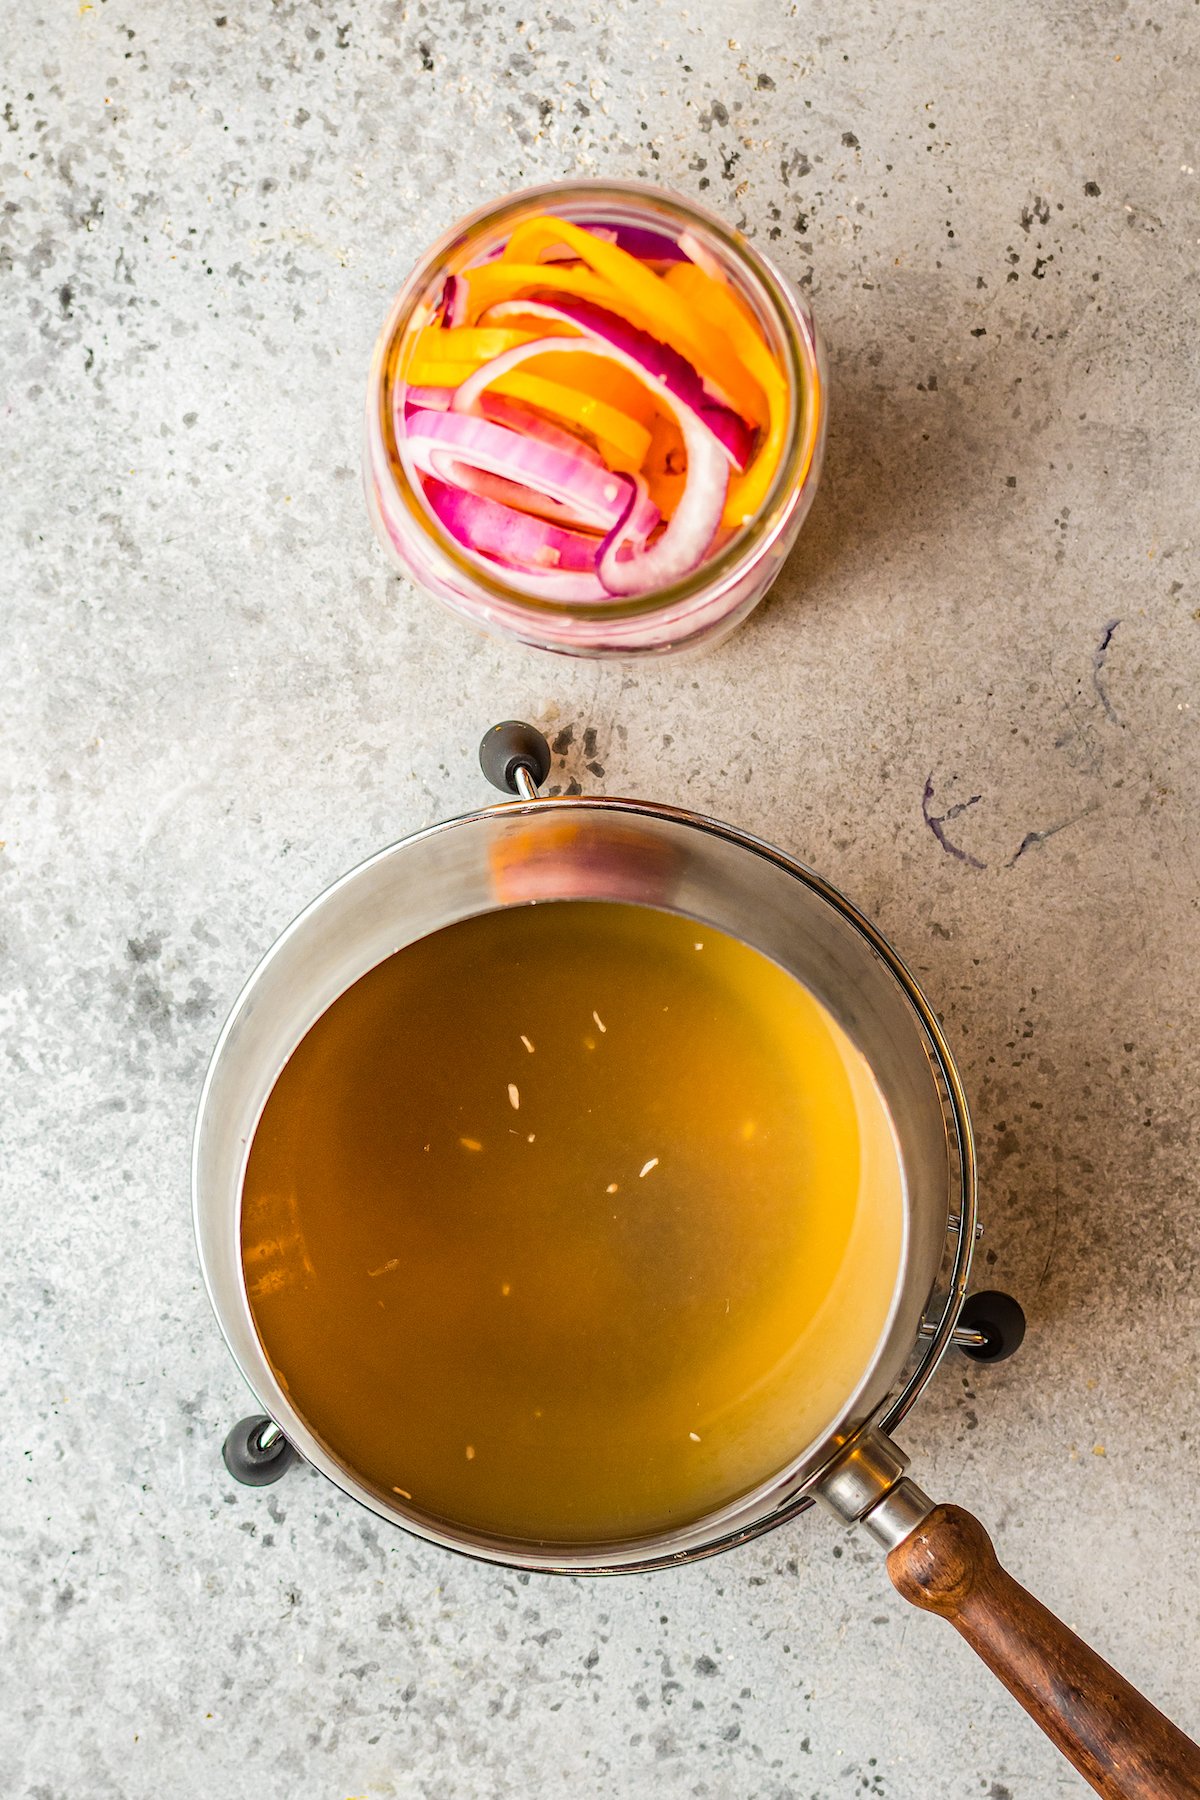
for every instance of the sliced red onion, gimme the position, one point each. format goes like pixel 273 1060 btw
pixel 690 531
pixel 421 399
pixel 511 537
pixel 534 476
pixel 692 249
pixel 643 242
pixel 660 366
pixel 469 393
pixel 455 301
pixel 502 411
pixel 523 418
pixel 627 564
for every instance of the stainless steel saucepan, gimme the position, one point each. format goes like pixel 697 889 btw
pixel 594 848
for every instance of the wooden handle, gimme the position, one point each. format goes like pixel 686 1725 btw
pixel 1121 1744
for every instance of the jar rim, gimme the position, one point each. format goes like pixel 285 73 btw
pixel 806 400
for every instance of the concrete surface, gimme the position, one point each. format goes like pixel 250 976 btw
pixel 969 702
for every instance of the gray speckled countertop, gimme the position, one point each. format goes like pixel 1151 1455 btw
pixel 969 701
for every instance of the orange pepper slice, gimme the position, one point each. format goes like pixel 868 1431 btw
pixel 716 302
pixel 505 280
pixel 605 381
pixel 666 465
pixel 646 299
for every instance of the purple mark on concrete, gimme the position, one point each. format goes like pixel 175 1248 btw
pixel 1098 657
pixel 937 822
pixel 1033 838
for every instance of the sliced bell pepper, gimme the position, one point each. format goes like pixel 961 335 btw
pixel 473 345
pixel 646 299
pixel 505 280
pixel 469 344
pixel 714 301
pixel 621 441
pixel 665 467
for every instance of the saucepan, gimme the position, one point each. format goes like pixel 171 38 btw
pixel 533 848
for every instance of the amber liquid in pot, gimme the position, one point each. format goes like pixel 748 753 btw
pixel 571 1223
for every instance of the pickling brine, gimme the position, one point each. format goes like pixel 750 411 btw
pixel 571 1222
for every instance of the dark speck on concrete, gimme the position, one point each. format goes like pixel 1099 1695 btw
pixel 589 741
pixel 764 81
pixel 850 141
pixel 1092 190
pixel 704 1665
pixel 564 740
pixel 143 950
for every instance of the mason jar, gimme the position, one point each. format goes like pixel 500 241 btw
pixel 707 603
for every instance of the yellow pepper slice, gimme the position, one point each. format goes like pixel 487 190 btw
pixel 603 380
pixel 469 344
pixel 622 441
pixel 716 302
pixel 473 345
pixel 647 299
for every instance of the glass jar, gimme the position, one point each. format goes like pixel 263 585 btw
pixel 705 605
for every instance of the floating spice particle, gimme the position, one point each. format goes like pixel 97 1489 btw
pixel 697 946
pixel 611 1188
pixel 386 1267
pixel 505 1289
pixel 529 1139
pixel 470 1143
pixel 694 1437
pixel 589 1043
pixel 527 1043
pixel 748 1130
pixel 600 1025
pixel 646 1167
pixel 470 1453
pixel 514 1098
pixel 403 1493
